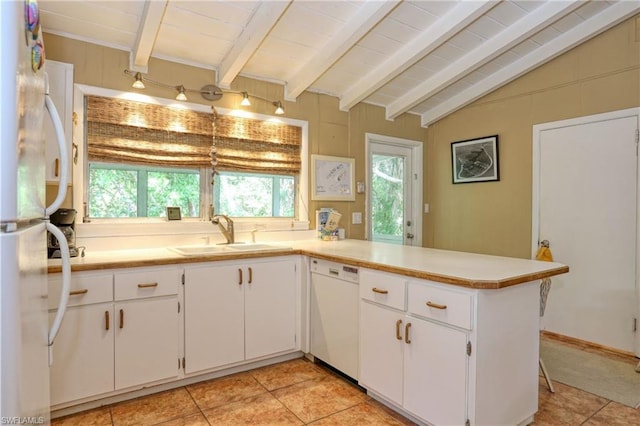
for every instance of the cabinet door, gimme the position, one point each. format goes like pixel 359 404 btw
pixel 60 77
pixel 214 317
pixel 435 372
pixel 83 353
pixel 270 308
pixel 381 350
pixel 146 342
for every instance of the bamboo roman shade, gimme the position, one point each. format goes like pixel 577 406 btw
pixel 124 131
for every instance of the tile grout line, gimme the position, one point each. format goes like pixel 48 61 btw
pixel 196 404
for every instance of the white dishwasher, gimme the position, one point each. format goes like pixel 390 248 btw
pixel 334 315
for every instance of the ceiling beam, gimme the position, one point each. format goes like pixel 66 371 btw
pixel 147 33
pixel 367 17
pixel 454 21
pixel 263 20
pixel 532 23
pixel 611 16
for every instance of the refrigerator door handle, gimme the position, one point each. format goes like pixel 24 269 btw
pixel 62 148
pixel 66 280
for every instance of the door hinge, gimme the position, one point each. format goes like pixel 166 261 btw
pixel 469 348
pixel 183 278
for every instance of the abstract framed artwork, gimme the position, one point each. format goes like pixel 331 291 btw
pixel 475 160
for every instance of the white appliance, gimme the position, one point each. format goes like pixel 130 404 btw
pixel 25 337
pixel 334 315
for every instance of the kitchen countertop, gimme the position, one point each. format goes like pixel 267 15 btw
pixel 457 268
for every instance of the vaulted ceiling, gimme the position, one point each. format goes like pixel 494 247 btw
pixel 423 57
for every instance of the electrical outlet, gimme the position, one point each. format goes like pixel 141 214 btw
pixel 356 218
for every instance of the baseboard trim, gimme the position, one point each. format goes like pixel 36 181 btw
pixel 588 345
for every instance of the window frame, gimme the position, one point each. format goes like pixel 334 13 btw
pixel 80 172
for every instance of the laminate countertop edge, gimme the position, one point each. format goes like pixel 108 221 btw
pixel 413 262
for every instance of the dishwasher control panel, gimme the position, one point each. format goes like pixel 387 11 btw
pixel 335 269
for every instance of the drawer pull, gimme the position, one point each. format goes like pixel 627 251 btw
pixel 250 275
pixel 407 339
pixel 56 168
pixel 436 305
pixel 121 318
pixel 377 290
pixel 78 292
pixel 239 276
pixel 106 320
pixel 398 335
pixel 148 285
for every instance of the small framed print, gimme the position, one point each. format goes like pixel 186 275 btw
pixel 173 213
pixel 475 160
pixel 332 178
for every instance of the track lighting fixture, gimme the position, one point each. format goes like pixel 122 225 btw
pixel 209 92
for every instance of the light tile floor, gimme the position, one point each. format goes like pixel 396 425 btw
pixel 299 392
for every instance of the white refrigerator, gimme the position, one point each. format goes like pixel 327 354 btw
pixel 25 335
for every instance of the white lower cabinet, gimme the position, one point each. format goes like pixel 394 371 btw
pixel 105 345
pixel 417 364
pixel 237 311
pixel 146 335
pixel 449 355
pixel 83 353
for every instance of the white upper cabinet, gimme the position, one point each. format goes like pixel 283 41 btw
pixel 61 92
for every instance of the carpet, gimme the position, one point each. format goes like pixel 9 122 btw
pixel 596 374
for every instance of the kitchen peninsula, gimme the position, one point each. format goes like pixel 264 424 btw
pixel 445 337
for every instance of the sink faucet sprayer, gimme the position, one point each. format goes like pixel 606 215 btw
pixel 228 231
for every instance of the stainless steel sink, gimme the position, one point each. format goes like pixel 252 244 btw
pixel 226 248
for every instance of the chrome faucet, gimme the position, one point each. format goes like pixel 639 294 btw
pixel 228 231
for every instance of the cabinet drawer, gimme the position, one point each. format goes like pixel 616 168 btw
pixel 445 305
pixel 383 288
pixel 86 288
pixel 147 283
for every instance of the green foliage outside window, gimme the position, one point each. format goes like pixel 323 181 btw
pixel 387 204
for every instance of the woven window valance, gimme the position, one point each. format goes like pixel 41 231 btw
pixel 131 132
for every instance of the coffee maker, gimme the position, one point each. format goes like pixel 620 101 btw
pixel 65 220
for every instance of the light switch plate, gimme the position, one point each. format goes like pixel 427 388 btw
pixel 356 218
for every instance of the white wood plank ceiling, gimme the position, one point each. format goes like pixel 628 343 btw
pixel 422 57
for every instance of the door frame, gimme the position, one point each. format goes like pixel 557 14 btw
pixel 416 148
pixel 535 202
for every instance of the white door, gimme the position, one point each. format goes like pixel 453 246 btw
pixel 588 212
pixel 394 190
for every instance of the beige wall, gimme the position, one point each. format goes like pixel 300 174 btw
pixel 600 75
pixel 331 131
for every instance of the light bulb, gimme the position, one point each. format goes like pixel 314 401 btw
pixel 138 84
pixel 245 99
pixel 279 109
pixel 181 94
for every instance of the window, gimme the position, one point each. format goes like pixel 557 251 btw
pixel 254 195
pixel 136 164
pixel 117 191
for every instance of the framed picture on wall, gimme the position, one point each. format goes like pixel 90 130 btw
pixel 332 178
pixel 475 160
